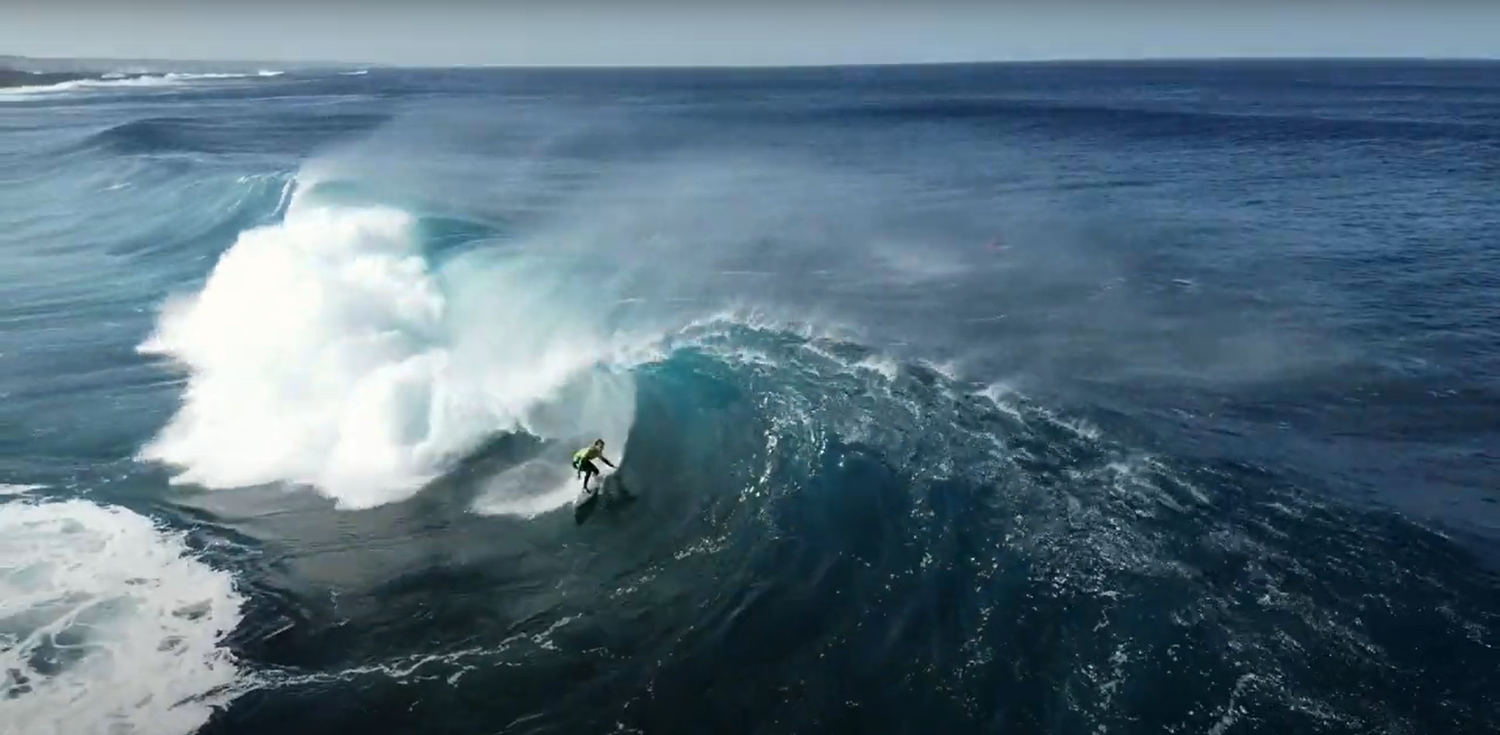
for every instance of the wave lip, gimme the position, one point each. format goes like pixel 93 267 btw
pixel 109 625
pixel 328 351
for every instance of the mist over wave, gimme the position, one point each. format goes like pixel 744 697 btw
pixel 344 348
pixel 329 350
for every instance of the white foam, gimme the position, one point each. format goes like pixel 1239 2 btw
pixel 326 350
pixel 1004 396
pixel 18 489
pixel 83 85
pixel 947 368
pixel 109 82
pixel 188 77
pixel 107 624
pixel 999 391
pixel 531 489
pixel 881 364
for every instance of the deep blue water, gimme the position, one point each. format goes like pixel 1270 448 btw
pixel 1147 398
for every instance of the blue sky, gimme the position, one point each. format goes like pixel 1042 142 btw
pixel 439 33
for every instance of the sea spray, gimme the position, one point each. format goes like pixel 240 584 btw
pixel 328 350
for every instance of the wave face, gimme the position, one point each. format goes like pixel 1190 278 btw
pixel 1032 399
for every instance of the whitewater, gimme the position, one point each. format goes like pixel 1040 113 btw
pixel 109 624
pixel 372 370
pixel 1032 398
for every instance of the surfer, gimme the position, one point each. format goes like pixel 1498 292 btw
pixel 585 467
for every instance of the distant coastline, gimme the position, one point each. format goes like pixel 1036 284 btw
pixel 40 72
pixel 32 71
pixel 71 69
pixel 11 78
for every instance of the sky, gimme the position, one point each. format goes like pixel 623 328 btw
pixel 568 33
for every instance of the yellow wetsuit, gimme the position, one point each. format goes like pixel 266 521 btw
pixel 584 455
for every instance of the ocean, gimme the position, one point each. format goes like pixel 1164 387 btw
pixel 1016 398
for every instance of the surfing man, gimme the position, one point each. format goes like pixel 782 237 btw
pixel 585 467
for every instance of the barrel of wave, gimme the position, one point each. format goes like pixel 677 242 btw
pixel 599 406
pixel 110 624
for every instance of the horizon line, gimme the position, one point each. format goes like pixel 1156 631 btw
pixel 721 66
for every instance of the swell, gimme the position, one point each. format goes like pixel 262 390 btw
pixel 296 133
pixel 1138 122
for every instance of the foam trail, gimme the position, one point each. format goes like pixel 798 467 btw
pixel 326 350
pixel 107 625
pixel 534 488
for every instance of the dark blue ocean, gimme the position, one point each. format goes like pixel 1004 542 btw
pixel 1058 398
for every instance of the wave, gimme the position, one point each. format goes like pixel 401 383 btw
pixel 354 348
pixel 1147 123
pixel 347 349
pixel 342 349
pixel 108 623
pixel 115 81
pixel 171 134
pixel 814 461
pixel 329 350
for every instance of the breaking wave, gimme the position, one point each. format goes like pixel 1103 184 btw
pixel 330 350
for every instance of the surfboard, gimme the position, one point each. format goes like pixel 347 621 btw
pixel 585 503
